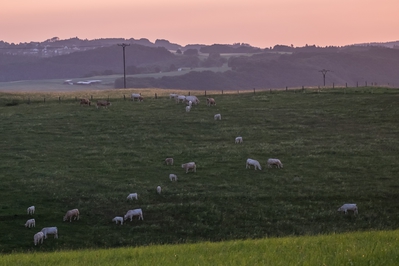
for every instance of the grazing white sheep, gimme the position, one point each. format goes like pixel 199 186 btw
pixel 193 99
pixel 135 212
pixel 173 177
pixel 135 96
pixel 74 213
pixel 255 163
pixel 238 140
pixel 37 238
pixel 173 95
pixel 31 210
pixel 188 108
pixel 132 196
pixel 189 166
pixel 159 189
pixel 348 207
pixel 180 98
pixel 50 231
pixel 118 219
pixel 30 223
pixel 169 161
pixel 276 162
pixel 217 117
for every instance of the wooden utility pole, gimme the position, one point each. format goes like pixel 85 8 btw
pixel 124 64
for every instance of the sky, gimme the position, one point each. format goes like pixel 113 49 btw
pixel 260 23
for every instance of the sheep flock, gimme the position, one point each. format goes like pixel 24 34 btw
pixel 190 102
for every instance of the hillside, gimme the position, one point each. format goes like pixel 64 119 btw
pixel 346 67
pixel 58 155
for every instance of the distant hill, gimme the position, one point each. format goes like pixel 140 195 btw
pixel 279 66
pixel 350 66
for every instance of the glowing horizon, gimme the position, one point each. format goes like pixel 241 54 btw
pixel 260 23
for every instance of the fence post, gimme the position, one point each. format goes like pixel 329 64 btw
pixel 222 92
pixel 366 83
pixel 124 97
pixel 270 90
pixel 286 88
pixel 189 93
pixel 44 99
pixel 346 85
pixel 238 92
pixel 303 89
pixel 357 84
pixel 156 96
pixel 205 93
pixel 254 90
pixel 333 85
pixel 59 99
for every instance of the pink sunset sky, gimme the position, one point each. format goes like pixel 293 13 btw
pixel 261 23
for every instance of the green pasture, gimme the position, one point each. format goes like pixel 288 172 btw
pixel 337 146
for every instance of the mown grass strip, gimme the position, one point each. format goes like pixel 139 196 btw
pixel 362 248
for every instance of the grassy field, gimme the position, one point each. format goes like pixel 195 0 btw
pixel 336 148
pixel 366 248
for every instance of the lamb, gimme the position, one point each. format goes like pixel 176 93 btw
pixel 132 196
pixel 38 237
pixel 169 161
pixel 103 103
pixel 85 102
pixel 238 140
pixel 189 166
pixel 31 210
pixel 118 219
pixel 173 177
pixel 190 103
pixel 159 189
pixel 30 223
pixel 74 213
pixel 135 212
pixel 173 95
pixel 276 162
pixel 50 231
pixel 188 108
pixel 141 98
pixel 210 101
pixel 218 117
pixel 348 207
pixel 255 163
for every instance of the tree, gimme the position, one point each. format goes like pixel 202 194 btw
pixel 191 52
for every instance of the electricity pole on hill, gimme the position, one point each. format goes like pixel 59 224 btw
pixel 324 72
pixel 124 65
